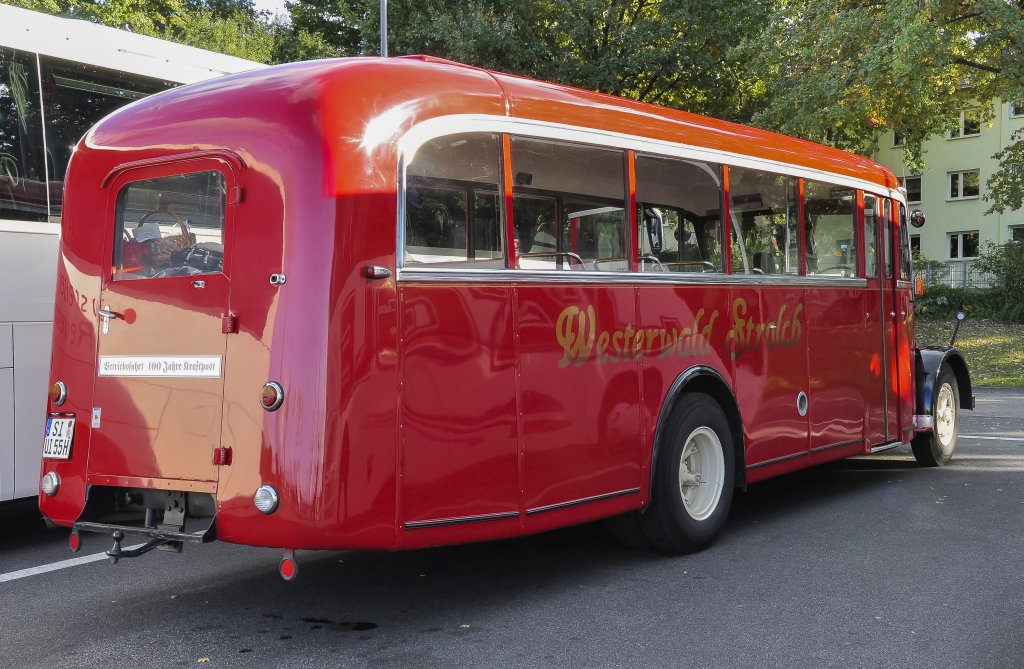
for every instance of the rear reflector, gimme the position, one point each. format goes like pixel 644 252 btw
pixel 74 542
pixel 272 396
pixel 58 393
pixel 288 567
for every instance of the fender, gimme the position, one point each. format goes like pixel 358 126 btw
pixel 927 362
pixel 710 382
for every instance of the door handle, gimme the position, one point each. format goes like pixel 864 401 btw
pixel 199 283
pixel 107 313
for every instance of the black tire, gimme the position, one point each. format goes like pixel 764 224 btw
pixel 935 448
pixel 668 523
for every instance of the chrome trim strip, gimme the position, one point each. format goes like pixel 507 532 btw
pixel 455 124
pixel 577 502
pixel 775 461
pixel 886 447
pixel 420 524
pixel 453 275
pixel 851 442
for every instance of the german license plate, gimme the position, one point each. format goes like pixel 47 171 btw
pixel 60 432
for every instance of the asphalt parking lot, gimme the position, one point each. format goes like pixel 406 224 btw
pixel 869 562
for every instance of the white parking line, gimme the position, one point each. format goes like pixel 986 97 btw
pixel 976 436
pixel 55 566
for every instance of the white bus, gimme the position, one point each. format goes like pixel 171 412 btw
pixel 57 78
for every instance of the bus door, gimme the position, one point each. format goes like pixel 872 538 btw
pixel 161 338
pixel 890 319
pixel 875 346
pixel 903 291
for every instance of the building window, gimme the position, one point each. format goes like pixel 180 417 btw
pixel 964 185
pixel 1017 108
pixel 970 125
pixel 915 245
pixel 913 186
pixel 1017 234
pixel 897 139
pixel 963 245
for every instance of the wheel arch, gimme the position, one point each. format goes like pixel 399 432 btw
pixel 928 362
pixel 708 381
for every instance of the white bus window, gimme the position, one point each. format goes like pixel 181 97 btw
pixel 75 96
pixel 679 205
pixel 831 229
pixel 765 223
pixel 22 177
pixel 170 226
pixel 569 206
pixel 453 204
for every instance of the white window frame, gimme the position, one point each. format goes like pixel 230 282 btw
pixel 903 183
pixel 1012 229
pixel 1016 108
pixel 960 244
pixel 897 140
pixel 960 188
pixel 960 132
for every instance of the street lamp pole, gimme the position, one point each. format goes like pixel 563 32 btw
pixel 384 28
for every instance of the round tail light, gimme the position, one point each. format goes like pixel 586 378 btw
pixel 50 484
pixel 272 396
pixel 266 499
pixel 58 393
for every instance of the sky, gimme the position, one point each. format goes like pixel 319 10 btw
pixel 274 6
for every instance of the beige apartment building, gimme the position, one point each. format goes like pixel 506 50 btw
pixel 950 190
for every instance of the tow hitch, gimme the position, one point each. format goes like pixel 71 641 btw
pixel 116 553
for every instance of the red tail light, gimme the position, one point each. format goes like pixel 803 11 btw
pixel 58 393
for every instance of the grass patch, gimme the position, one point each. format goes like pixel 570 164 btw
pixel 994 350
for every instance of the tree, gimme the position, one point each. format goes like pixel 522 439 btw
pixel 232 27
pixel 677 53
pixel 842 71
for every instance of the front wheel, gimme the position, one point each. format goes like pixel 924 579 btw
pixel 693 484
pixel 935 448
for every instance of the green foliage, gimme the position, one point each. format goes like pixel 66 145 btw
pixel 1005 264
pixel 678 54
pixel 841 72
pixel 1006 186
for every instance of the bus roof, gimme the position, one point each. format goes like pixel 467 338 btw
pixel 85 42
pixel 396 94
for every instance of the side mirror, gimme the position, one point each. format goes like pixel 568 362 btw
pixel 917 218
pixel 653 224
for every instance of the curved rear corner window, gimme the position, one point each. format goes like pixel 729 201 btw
pixel 453 204
pixel 170 226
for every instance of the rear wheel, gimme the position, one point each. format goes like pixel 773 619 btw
pixel 693 484
pixel 935 448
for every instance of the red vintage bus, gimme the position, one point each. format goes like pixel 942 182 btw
pixel 396 303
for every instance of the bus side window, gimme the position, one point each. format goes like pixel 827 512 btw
pixel 831 215
pixel 765 222
pixel 906 272
pixel 453 205
pixel 569 206
pixel 170 226
pixel 685 199
pixel 870 236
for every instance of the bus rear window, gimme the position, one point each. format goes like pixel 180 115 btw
pixel 170 226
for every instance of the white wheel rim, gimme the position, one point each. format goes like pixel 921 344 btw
pixel 701 473
pixel 945 417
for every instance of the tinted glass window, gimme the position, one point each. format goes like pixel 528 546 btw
pixel 453 204
pixel 764 221
pixel 22 174
pixel 170 226
pixel 569 206
pixel 906 270
pixel 75 97
pixel 679 215
pixel 830 212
